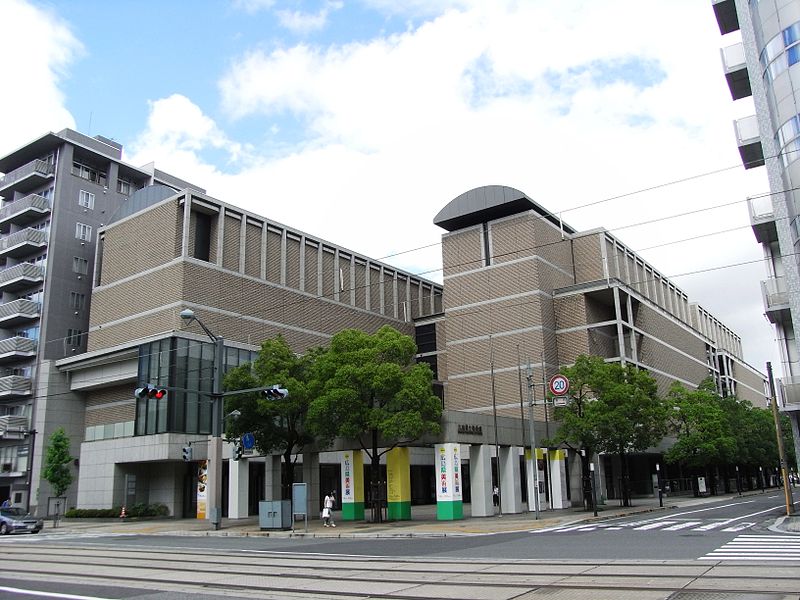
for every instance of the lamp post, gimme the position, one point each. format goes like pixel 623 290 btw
pixel 594 491
pixel 214 482
pixel 660 490
pixel 534 461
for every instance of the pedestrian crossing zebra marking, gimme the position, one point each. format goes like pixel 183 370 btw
pixel 655 525
pixel 758 547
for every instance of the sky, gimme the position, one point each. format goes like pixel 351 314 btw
pixel 358 120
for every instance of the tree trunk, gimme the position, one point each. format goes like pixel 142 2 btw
pixel 287 477
pixel 586 478
pixel 626 494
pixel 375 480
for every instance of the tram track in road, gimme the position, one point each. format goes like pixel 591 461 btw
pixel 314 576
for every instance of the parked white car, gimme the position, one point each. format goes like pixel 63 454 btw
pixel 14 519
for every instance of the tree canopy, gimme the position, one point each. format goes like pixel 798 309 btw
pixel 612 408
pixel 373 392
pixel 704 433
pixel 277 425
pixel 56 462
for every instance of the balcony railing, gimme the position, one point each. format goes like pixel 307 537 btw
pixel 21 276
pixel 14 426
pixel 25 210
pixel 17 347
pixel 789 393
pixel 733 60
pixel 18 311
pixel 762 219
pixel 749 141
pixel 23 242
pixel 27 176
pixel 15 386
pixel 775 294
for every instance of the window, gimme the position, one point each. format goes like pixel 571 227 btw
pixel 83 232
pixel 89 173
pixel 74 337
pixel 124 186
pixel 80 265
pixel 86 199
pixel 77 301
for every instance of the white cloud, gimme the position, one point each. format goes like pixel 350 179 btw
pixel 571 103
pixel 39 50
pixel 253 6
pixel 303 23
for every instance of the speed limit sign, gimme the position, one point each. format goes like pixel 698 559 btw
pixel 559 385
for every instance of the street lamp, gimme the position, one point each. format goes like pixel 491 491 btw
pixel 214 481
pixel 660 491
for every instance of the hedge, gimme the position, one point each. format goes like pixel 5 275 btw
pixel 135 510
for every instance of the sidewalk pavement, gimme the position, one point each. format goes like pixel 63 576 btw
pixel 423 523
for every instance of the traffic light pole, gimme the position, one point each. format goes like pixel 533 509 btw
pixel 787 486
pixel 214 482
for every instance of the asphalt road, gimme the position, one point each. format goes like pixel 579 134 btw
pixel 724 546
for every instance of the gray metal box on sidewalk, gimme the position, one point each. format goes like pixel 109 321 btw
pixel 275 514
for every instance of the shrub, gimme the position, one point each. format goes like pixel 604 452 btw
pixel 139 509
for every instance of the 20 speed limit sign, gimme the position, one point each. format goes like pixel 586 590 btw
pixel 559 385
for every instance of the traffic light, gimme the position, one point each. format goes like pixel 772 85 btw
pixel 237 451
pixel 151 391
pixel 276 393
pixel 187 453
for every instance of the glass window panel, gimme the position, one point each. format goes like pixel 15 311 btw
pixel 192 413
pixel 141 417
pixel 151 417
pixel 793 55
pixel 161 426
pixel 773 48
pixel 791 34
pixel 778 66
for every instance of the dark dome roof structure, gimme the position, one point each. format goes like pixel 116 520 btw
pixel 488 203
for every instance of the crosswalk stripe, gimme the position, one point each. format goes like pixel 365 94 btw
pixel 680 526
pixel 654 525
pixel 758 547
pixel 710 526
pixel 739 527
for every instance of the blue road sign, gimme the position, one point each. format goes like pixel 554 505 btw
pixel 248 441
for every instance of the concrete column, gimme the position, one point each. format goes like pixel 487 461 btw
pixel 480 480
pixel 311 477
pixel 510 492
pixel 238 488
pixel 272 478
pixel 447 467
pixel 558 479
pixel 352 485
pixel 398 484
pixel 540 480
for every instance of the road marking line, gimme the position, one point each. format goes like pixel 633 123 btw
pixel 739 527
pixel 680 526
pixel 48 594
pixel 653 525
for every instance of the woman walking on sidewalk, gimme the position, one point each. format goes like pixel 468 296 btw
pixel 327 509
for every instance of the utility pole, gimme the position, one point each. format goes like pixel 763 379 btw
pixel 534 461
pixel 787 488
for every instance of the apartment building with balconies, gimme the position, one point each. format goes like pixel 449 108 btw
pixel 56 192
pixel 762 62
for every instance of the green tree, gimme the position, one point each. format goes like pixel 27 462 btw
pixel 277 425
pixel 374 393
pixel 613 409
pixel 704 433
pixel 56 462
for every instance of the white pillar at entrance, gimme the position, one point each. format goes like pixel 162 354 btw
pixel 311 477
pixel 272 477
pixel 558 478
pixel 480 480
pixel 540 480
pixel 238 488
pixel 510 492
